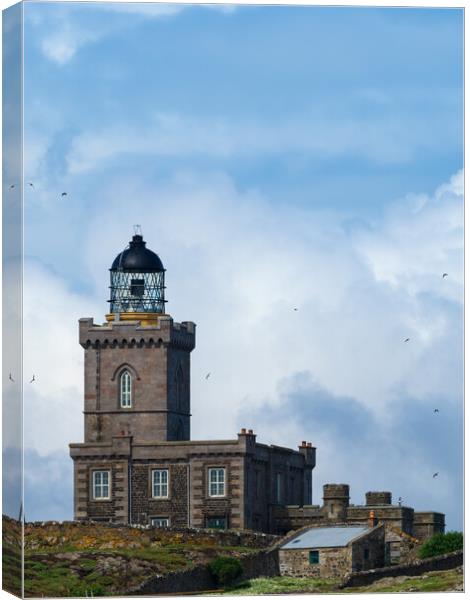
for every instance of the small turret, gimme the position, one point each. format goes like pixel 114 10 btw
pixel 378 498
pixel 336 500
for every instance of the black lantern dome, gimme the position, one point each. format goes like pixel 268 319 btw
pixel 137 280
pixel 137 258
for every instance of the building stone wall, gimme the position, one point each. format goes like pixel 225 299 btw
pixel 398 516
pixel 204 506
pixel 399 546
pixel 268 488
pixel 144 507
pixel 335 501
pixel 158 359
pixel 374 544
pixel 428 523
pixel 336 508
pixel 189 502
pixel 85 507
pixel 376 498
pixel 336 562
pixel 274 476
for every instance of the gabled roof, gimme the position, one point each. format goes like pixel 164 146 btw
pixel 325 537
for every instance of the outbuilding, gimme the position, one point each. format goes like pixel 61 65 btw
pixel 333 552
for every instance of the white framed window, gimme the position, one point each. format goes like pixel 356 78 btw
pixel 125 390
pixel 216 481
pixel 160 483
pixel 160 522
pixel 101 485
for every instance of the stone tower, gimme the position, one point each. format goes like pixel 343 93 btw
pixel 137 463
pixel 336 500
pixel 137 365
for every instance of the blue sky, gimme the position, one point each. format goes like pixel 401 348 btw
pixel 276 157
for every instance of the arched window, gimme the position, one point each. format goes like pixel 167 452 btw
pixel 125 390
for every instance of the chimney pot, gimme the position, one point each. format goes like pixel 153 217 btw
pixel 243 430
pixel 304 443
pixel 250 431
pixel 309 444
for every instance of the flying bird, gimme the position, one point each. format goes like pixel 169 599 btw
pixel 445 275
pixel 33 379
pixel 407 340
pixel 436 410
pixel 29 183
pixel 12 186
pixel 10 377
pixel 208 375
pixel 435 475
pixel 296 309
pixel 64 194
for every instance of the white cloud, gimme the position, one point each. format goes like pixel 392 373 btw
pixel 381 140
pixel 53 402
pixel 66 30
pixel 62 43
pixel 152 10
pixel 238 266
pixel 420 240
pixel 245 266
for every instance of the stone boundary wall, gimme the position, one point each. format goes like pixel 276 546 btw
pixel 418 567
pixel 198 579
pixel 227 537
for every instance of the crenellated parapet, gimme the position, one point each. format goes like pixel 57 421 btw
pixel 378 498
pixel 132 334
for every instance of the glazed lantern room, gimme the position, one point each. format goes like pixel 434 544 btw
pixel 137 280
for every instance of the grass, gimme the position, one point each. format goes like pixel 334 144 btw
pixel 11 570
pixel 281 585
pixel 58 580
pixel 438 581
pixel 11 556
pixel 104 560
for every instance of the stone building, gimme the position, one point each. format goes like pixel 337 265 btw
pixel 336 507
pixel 333 551
pixel 138 463
pixel 404 527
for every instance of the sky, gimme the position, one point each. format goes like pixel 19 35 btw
pixel 276 158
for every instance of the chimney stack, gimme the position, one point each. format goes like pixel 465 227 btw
pixel 372 521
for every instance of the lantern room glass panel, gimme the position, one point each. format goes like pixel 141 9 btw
pixel 137 292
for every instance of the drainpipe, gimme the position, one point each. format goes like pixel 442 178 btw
pixel 189 494
pixel 129 490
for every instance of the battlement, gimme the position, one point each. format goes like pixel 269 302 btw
pixel 378 498
pixel 428 523
pixel 336 491
pixel 133 334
